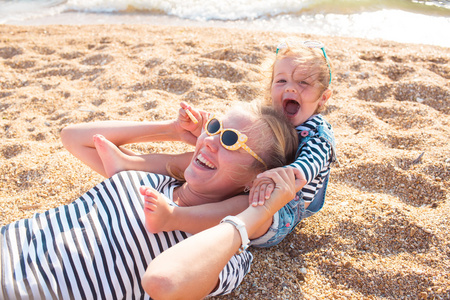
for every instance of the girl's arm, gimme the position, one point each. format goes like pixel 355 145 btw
pixel 194 219
pixel 209 215
pixel 192 267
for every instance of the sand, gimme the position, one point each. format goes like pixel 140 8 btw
pixel 384 231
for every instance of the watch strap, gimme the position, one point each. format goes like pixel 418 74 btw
pixel 240 226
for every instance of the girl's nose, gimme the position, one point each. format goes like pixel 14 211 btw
pixel 290 89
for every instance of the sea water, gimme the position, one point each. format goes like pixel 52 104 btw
pixel 412 21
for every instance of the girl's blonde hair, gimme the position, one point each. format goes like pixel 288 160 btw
pixel 312 59
pixel 276 142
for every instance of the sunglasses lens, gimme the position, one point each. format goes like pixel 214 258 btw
pixel 313 44
pixel 229 138
pixel 213 126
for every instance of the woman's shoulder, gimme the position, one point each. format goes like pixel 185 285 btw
pixel 157 181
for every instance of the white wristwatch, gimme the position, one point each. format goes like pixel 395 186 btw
pixel 240 226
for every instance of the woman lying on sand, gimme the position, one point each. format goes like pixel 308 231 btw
pixel 98 245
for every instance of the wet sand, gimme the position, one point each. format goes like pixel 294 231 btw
pixel 384 231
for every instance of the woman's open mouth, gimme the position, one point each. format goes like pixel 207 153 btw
pixel 202 161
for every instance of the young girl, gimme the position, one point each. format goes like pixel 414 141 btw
pixel 299 87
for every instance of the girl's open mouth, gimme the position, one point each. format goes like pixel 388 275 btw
pixel 291 107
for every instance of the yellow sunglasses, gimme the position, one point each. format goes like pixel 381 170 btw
pixel 230 139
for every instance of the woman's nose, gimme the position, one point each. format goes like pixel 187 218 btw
pixel 212 142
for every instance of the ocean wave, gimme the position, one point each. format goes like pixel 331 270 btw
pixel 229 10
pixel 414 21
pixel 225 10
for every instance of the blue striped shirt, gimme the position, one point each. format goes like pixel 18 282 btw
pixel 314 159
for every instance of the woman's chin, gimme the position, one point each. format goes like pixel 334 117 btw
pixel 198 175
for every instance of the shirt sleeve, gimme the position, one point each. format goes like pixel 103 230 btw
pixel 233 273
pixel 314 158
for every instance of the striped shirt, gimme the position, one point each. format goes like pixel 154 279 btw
pixel 96 247
pixel 314 159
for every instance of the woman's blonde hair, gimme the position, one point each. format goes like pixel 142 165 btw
pixel 311 59
pixel 276 142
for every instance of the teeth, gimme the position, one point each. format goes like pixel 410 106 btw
pixel 205 162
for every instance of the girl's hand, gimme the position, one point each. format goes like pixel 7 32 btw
pixel 261 190
pixel 287 182
pixel 264 184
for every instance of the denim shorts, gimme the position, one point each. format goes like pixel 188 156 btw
pixel 287 218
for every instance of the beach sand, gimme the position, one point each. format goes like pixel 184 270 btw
pixel 384 231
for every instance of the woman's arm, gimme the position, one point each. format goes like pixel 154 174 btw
pixel 192 267
pixel 78 138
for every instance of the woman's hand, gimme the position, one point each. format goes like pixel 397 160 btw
pixel 188 128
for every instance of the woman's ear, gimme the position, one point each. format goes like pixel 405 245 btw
pixel 325 96
pixel 249 185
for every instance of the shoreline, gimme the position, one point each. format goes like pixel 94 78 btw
pixel 393 25
pixel 383 233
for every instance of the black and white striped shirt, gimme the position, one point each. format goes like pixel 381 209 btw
pixel 314 159
pixel 96 247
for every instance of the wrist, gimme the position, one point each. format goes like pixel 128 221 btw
pixel 176 130
pixel 240 226
pixel 255 218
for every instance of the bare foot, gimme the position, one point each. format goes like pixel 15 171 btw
pixel 156 209
pixel 112 158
